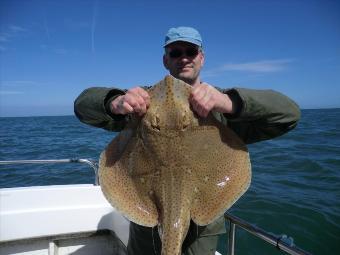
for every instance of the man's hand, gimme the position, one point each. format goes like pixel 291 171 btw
pixel 205 98
pixel 136 100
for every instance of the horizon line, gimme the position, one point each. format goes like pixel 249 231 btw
pixel 68 115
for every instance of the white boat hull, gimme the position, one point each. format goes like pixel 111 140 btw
pixel 45 218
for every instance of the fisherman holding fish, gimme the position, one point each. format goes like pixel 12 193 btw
pixel 254 115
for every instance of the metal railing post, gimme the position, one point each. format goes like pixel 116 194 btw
pixel 281 242
pixel 231 238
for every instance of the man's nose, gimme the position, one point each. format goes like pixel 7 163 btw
pixel 184 59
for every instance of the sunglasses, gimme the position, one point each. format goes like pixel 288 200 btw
pixel 189 52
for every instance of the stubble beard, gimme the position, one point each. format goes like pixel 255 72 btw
pixel 189 78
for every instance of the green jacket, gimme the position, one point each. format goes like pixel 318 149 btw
pixel 261 114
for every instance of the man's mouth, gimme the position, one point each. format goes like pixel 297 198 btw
pixel 184 67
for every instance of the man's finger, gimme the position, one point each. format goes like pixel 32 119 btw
pixel 140 95
pixel 140 92
pixel 134 104
pixel 143 109
pixel 199 92
pixel 125 108
pixel 145 95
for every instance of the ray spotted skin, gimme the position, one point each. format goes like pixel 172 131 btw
pixel 171 166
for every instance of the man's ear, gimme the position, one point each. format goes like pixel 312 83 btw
pixel 202 59
pixel 165 62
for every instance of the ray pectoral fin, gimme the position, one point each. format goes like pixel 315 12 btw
pixel 125 185
pixel 122 193
pixel 222 176
pixel 218 198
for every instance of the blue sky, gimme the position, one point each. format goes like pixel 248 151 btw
pixel 52 50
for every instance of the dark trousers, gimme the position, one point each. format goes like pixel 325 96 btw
pixel 199 240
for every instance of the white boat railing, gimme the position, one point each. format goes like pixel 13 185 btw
pixel 89 162
pixel 281 242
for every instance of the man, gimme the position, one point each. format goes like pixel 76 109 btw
pixel 254 115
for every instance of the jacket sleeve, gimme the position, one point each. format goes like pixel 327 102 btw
pixel 261 114
pixel 92 107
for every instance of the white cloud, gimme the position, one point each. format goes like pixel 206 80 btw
pixel 10 32
pixel 10 92
pixel 93 27
pixel 4 37
pixel 262 66
pixel 18 83
pixel 16 87
pixel 16 29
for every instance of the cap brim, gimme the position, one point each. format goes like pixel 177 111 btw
pixel 198 43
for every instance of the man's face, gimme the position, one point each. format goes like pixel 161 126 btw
pixel 184 61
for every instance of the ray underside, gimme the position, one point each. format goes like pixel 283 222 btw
pixel 171 166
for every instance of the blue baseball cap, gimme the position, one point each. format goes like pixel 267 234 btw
pixel 183 34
